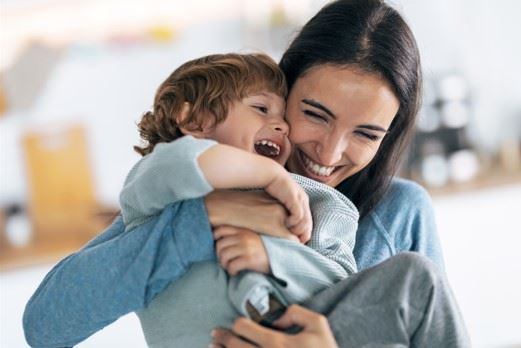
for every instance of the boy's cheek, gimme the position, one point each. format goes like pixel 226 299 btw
pixel 283 158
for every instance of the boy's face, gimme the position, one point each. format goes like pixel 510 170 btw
pixel 256 124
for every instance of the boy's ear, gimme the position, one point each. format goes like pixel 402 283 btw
pixel 197 131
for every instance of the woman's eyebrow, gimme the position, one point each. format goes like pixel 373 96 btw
pixel 373 127
pixel 317 105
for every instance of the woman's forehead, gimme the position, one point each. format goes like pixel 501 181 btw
pixel 347 91
pixel 345 76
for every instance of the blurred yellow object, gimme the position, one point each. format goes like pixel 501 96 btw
pixel 62 205
pixel 278 17
pixel 62 200
pixel 162 33
pixel 3 100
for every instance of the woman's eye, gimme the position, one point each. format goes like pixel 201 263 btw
pixel 315 115
pixel 261 108
pixel 369 136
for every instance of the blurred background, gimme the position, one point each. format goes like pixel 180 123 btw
pixel 76 76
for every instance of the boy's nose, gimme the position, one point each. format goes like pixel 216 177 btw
pixel 281 126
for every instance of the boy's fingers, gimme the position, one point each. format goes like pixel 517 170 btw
pixel 236 265
pixel 223 231
pixel 228 254
pixel 302 230
pixel 296 214
pixel 224 243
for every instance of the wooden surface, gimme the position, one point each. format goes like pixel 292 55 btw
pixel 484 181
pixel 37 253
pixel 51 250
pixel 62 206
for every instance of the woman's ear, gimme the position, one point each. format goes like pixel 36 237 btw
pixel 190 128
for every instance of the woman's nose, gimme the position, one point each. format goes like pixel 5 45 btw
pixel 330 151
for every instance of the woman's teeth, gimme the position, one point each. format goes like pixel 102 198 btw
pixel 316 168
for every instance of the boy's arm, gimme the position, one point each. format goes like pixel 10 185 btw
pixel 169 174
pixel 190 168
pixel 298 271
pixel 335 223
pixel 230 167
pixel 115 274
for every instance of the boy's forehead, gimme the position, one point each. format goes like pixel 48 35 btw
pixel 264 93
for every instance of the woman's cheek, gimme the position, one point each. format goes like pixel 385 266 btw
pixel 366 157
pixel 303 133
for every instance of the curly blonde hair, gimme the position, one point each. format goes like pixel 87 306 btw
pixel 209 84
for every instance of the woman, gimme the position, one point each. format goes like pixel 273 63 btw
pixel 354 75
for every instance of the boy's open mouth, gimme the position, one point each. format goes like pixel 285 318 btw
pixel 267 148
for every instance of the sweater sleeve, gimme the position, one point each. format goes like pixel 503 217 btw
pixel 419 232
pixel 116 273
pixel 302 270
pixel 168 174
pixel 402 221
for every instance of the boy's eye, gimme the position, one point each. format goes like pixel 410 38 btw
pixel 261 108
pixel 365 135
pixel 315 115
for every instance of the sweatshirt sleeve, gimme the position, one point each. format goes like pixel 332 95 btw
pixel 402 221
pixel 116 273
pixel 170 173
pixel 302 270
pixel 299 271
pixel 418 231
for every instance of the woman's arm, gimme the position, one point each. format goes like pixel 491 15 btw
pixel 119 272
pixel 115 274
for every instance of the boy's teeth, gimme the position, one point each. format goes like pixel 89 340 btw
pixel 317 169
pixel 275 149
pixel 269 143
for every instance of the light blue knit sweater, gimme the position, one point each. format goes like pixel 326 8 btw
pixel 207 297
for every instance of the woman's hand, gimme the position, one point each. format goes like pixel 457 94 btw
pixel 254 210
pixel 240 249
pixel 315 332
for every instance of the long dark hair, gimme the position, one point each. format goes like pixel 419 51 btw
pixel 372 36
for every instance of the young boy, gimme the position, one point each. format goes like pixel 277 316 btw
pixel 218 123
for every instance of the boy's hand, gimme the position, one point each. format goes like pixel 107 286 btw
pixel 240 249
pixel 296 201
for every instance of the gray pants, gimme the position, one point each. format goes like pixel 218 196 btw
pixel 404 301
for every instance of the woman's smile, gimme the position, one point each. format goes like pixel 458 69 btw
pixel 338 117
pixel 310 168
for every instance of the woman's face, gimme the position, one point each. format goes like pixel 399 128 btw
pixel 338 118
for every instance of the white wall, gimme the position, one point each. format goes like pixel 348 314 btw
pixel 109 88
pixel 479 39
pixel 480 235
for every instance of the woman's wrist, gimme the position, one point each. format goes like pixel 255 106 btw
pixel 214 207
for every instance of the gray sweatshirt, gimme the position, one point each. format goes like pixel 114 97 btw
pixel 206 297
